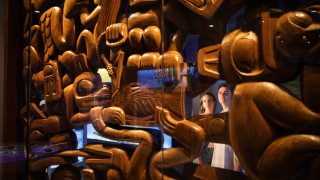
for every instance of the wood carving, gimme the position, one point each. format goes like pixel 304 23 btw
pixel 288 128
pixel 274 134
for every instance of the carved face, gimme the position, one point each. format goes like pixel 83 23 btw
pixel 52 82
pixel 90 92
pixel 240 56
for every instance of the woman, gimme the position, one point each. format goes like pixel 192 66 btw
pixel 208 104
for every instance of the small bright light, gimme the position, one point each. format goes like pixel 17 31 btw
pixel 104 75
pixel 211 25
pixel 38 12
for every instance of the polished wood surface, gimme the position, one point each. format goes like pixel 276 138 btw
pixel 273 133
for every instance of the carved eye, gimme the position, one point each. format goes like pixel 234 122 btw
pixel 85 87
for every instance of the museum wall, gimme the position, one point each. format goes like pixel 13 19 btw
pixel 12 133
pixel 2 30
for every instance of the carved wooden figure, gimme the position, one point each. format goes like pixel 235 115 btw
pixel 51 132
pixel 279 134
pixel 273 134
pixel 137 38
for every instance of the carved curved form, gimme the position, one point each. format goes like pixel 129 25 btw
pixel 172 63
pixel 66 171
pixel 249 55
pixel 263 117
pixel 139 101
pixel 52 82
pixel 89 20
pixel 243 54
pixel 87 45
pixel 42 164
pixel 111 54
pixel 57 31
pixel 35 52
pixel 102 158
pixel 304 41
pixel 310 86
pixel 49 133
pixel 215 126
pixel 36 61
pixel 276 161
pixel 168 65
pixel 107 16
pixel 114 115
pixel 241 60
pixel 269 125
pixel 36 65
pixel 75 63
pixel 208 61
pixel 116 35
pixel 205 8
pixel 72 8
pixel 44 145
pixel 86 92
pixel 142 3
pixel 36 40
pixel 189 134
pixel 142 19
pixel 84 58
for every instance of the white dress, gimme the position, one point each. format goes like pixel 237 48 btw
pixel 223 156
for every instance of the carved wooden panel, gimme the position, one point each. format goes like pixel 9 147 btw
pixel 274 134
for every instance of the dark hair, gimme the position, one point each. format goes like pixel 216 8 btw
pixel 227 86
pixel 202 109
pixel 223 85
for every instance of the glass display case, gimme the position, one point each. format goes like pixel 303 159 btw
pixel 161 89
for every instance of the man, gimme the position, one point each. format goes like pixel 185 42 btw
pixel 224 97
pixel 223 155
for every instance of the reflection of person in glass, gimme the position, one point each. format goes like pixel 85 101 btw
pixel 223 155
pixel 224 97
pixel 208 104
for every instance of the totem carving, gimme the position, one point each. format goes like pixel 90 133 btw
pixel 274 134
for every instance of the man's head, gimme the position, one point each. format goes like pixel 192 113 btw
pixel 224 94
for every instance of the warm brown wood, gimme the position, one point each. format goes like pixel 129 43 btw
pixel 273 133
pixel 88 174
pixel 283 121
pixel 310 87
pixel 44 163
pixel 205 8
